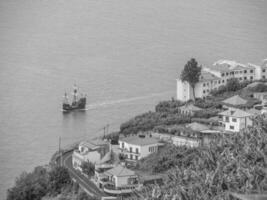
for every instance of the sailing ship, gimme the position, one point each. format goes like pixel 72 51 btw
pixel 78 101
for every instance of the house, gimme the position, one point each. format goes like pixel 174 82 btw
pixel 189 109
pixel 119 180
pixel 235 119
pixel 185 140
pixel 262 96
pixel 136 147
pixel 218 74
pixel 95 151
pixel 227 69
pixel 261 70
pixel 207 82
pixel 235 101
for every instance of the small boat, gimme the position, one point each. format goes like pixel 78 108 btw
pixel 78 101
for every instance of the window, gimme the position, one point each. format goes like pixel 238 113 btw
pixel 204 84
pixel 137 150
pixel 222 74
pixel 207 90
pixel 122 145
pixel 251 77
pixel 223 81
pixel 204 91
pixel 236 72
pixel 136 157
pixel 263 77
pixel 131 156
pixel 219 81
pixel 233 119
pixel 226 73
pixel 245 71
pixel 232 127
pixel 131 149
pixel 263 70
pixel 227 119
pixel 240 79
pixel 245 78
pixel 251 71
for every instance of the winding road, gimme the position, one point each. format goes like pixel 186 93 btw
pixel 88 186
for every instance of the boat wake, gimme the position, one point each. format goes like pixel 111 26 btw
pixel 121 101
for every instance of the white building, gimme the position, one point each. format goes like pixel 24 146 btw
pixel 120 180
pixel 235 119
pixel 207 82
pixel 218 74
pixel 137 147
pixel 96 152
pixel 227 69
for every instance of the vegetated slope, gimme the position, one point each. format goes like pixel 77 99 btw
pixel 236 163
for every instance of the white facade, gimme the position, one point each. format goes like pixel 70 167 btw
pixel 207 82
pixel 185 141
pixel 234 120
pixel 222 70
pixel 134 151
pixel 88 152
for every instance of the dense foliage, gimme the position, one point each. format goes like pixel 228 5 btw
pixel 149 120
pixel 88 168
pixel 232 85
pixel 261 87
pixel 169 106
pixel 191 73
pixel 235 163
pixel 42 181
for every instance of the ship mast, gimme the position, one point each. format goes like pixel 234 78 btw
pixel 65 99
pixel 75 93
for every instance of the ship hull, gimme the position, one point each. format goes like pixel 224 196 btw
pixel 80 105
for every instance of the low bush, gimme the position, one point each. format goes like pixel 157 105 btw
pixel 168 106
pixel 149 120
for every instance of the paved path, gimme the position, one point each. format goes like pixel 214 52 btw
pixel 84 182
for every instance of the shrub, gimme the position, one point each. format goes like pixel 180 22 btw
pixel 261 87
pixel 235 163
pixel 149 120
pixel 88 168
pixel 58 178
pixel 30 185
pixel 168 106
pixel 206 113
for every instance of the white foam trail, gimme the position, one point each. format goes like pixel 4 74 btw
pixel 114 102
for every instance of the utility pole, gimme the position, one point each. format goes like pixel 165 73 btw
pixel 107 128
pixel 59 151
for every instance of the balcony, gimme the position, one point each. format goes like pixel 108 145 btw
pixel 129 152
pixel 111 189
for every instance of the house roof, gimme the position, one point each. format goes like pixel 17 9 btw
pixel 207 76
pixel 120 170
pixel 190 107
pixel 195 126
pixel 93 144
pixel 140 141
pixel 228 65
pixel 235 100
pixel 233 112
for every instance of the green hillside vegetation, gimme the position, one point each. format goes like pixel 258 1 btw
pixel 46 183
pixel 236 163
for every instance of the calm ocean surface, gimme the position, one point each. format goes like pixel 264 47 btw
pixel 125 54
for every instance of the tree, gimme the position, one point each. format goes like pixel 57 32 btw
pixel 88 168
pixel 233 84
pixel 58 178
pixel 191 74
pixel 29 186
